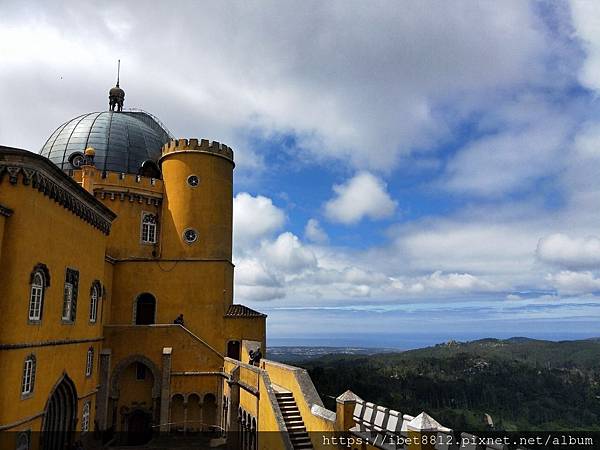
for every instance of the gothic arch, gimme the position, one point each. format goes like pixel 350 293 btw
pixel 60 414
pixel 124 363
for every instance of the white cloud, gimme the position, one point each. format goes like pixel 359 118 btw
pixel 463 282
pixel 314 232
pixel 362 196
pixel 254 282
pixel 568 282
pixel 569 252
pixel 288 254
pixel 363 90
pixel 254 218
pixel 586 21
pixel 526 142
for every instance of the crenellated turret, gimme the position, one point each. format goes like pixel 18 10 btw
pixel 198 200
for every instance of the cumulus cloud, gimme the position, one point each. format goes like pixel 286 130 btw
pixel 314 232
pixel 586 22
pixel 363 90
pixel 254 218
pixel 451 282
pixel 569 282
pixel 254 282
pixel 526 143
pixel 569 252
pixel 288 254
pixel 362 196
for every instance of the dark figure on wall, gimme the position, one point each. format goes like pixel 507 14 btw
pixel 255 357
pixel 179 320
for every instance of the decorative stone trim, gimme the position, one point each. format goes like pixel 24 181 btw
pixel 131 197
pixel 21 345
pixel 8 426
pixel 39 173
pixel 41 267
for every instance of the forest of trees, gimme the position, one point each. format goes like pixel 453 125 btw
pixel 522 384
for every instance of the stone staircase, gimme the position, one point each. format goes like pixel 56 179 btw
pixel 293 420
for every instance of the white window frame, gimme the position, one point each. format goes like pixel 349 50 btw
pixel 36 297
pixel 149 230
pixel 94 304
pixel 85 417
pixel 89 362
pixel 68 302
pixel 28 380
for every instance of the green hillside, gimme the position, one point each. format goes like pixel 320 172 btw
pixel 523 384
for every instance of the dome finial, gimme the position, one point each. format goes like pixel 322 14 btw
pixel 118 71
pixel 116 96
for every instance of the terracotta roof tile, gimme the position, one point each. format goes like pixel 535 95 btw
pixel 242 311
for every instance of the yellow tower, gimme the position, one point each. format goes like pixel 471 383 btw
pixel 197 208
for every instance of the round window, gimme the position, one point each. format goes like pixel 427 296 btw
pixel 77 160
pixel 193 180
pixel 190 235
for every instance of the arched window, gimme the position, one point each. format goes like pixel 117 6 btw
pixel 36 297
pixel 95 293
pixel 89 363
pixel 145 309
pixel 85 417
pixel 39 281
pixel 28 381
pixel 149 228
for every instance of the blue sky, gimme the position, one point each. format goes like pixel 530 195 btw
pixel 407 172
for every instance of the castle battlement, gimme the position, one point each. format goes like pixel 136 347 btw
pixel 130 180
pixel 201 145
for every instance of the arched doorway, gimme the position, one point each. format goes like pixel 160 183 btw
pixel 233 350
pixel 135 399
pixel 145 309
pixel 177 413
pixel 209 411
pixel 194 413
pixel 139 427
pixel 60 416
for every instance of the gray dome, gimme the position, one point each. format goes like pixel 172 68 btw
pixel 122 140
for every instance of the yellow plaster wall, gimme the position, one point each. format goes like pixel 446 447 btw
pixel 63 240
pixel 51 362
pixel 2 222
pixel 188 353
pixel 200 290
pixel 199 384
pixel 135 392
pixel 126 239
pixel 60 240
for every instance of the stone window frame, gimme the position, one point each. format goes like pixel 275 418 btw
pixel 28 376
pixel 190 183
pixel 85 416
pixel 95 299
pixel 89 362
pixel 70 291
pixel 23 441
pixel 186 240
pixel 151 237
pixel 40 270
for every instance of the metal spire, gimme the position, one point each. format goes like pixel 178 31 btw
pixel 118 71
